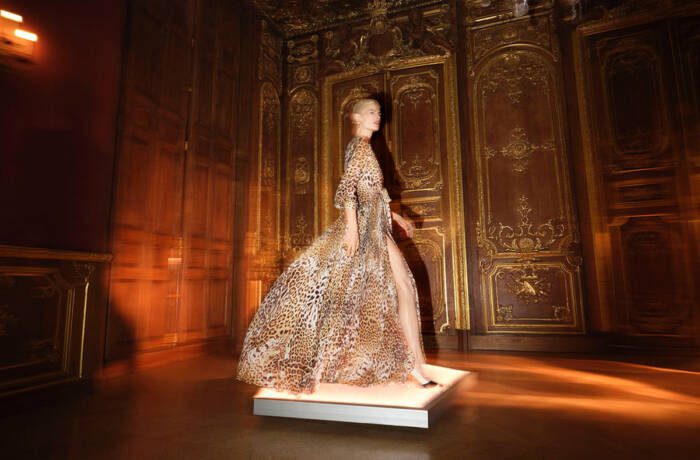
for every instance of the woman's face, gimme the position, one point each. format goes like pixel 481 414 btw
pixel 370 117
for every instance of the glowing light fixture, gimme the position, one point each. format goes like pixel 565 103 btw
pixel 520 8
pixel 11 16
pixel 15 43
pixel 32 37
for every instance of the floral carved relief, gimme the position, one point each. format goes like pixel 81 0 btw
pixel 512 70
pixel 418 126
pixel 526 236
pixel 301 236
pixel 387 39
pixel 520 150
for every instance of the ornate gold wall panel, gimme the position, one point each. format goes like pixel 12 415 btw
pixel 264 235
pixel 527 234
pixel 641 169
pixel 301 155
pixel 418 150
pixel 45 299
pixel 478 12
pixel 301 167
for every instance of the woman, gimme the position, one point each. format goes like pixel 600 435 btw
pixel 346 311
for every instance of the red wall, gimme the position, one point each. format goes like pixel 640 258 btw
pixel 58 125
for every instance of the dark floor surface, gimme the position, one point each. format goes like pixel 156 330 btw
pixel 523 407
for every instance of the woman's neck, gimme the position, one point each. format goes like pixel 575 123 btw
pixel 363 133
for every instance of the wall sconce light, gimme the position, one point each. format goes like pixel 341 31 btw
pixel 520 8
pixel 15 42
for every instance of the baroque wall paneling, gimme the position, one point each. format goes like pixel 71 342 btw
pixel 206 292
pixel 147 212
pixel 264 230
pixel 302 140
pixel 637 94
pixel 406 61
pixel 52 312
pixel 528 276
pixel 173 203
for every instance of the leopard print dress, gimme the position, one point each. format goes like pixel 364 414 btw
pixel 330 317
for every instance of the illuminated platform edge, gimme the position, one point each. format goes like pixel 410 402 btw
pixel 393 404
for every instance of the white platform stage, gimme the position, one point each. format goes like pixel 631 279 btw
pixel 393 404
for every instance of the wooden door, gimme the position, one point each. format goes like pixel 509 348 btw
pixel 418 150
pixel 643 156
pixel 147 213
pixel 172 223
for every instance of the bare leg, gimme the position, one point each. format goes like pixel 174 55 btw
pixel 407 308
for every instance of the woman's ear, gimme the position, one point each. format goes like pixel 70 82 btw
pixel 355 118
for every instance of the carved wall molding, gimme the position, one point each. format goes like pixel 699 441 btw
pixel 426 255
pixel 642 141
pixel 526 237
pixel 267 181
pixel 270 57
pixel 519 150
pixel 302 50
pixel 526 230
pixel 418 148
pixel 534 297
pixel 415 98
pixel 385 41
pixel 295 18
pixel 537 30
pixel 635 163
pixel 47 298
pixel 301 158
pixel 494 11
pixel 511 69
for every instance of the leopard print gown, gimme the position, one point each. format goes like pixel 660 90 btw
pixel 329 317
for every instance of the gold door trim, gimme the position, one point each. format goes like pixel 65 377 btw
pixel 456 233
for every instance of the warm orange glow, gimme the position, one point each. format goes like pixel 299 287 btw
pixel 405 395
pixel 11 16
pixel 590 388
pixel 32 37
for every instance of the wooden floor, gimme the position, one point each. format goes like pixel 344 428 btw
pixel 524 406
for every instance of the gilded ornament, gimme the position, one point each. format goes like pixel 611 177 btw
pixel 422 169
pixel 303 108
pixel 486 39
pixel 269 65
pixel 504 313
pixel 300 237
pixel 302 171
pixel 527 283
pixel 527 237
pixel 561 313
pixel 303 51
pixel 511 70
pixel 302 75
pixel 519 149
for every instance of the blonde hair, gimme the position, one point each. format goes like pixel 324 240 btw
pixel 361 104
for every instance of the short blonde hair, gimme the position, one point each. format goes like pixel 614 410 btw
pixel 361 104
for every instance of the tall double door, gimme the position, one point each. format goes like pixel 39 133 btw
pixel 418 149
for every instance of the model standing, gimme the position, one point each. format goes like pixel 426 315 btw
pixel 346 311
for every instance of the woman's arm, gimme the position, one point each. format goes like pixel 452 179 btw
pixel 405 223
pixel 346 199
pixel 351 240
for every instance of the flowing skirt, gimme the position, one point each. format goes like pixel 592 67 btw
pixel 333 318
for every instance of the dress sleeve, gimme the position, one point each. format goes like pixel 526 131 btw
pixel 346 194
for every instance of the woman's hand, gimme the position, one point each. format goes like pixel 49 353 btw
pixel 405 223
pixel 351 240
